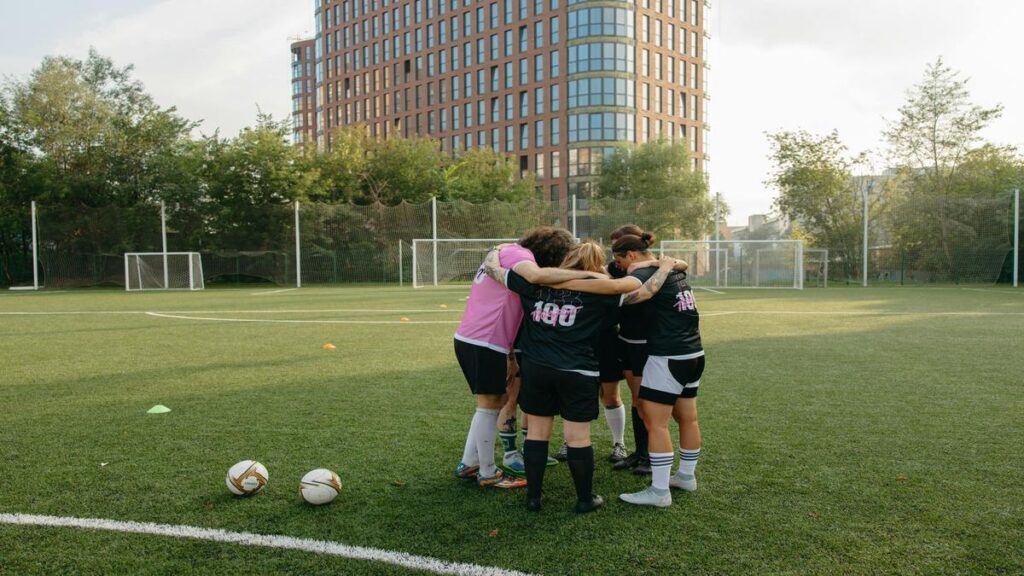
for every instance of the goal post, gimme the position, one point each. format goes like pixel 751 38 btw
pixel 740 263
pixel 449 260
pixel 163 271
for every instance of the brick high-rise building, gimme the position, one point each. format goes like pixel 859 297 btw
pixel 304 108
pixel 556 83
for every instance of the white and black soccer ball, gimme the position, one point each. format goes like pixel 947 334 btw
pixel 319 486
pixel 247 478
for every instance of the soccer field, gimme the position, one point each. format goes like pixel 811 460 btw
pixel 846 431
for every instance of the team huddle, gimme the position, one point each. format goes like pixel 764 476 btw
pixel 552 329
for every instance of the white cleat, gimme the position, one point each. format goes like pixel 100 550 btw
pixel 688 483
pixel 648 497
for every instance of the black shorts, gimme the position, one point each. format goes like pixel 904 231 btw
pixel 668 379
pixel 609 356
pixel 552 392
pixel 483 368
pixel 634 357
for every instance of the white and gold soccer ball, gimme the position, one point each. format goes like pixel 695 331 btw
pixel 319 486
pixel 247 478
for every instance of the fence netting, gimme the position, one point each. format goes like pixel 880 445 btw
pixel 911 240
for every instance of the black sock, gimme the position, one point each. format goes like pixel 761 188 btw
pixel 535 456
pixel 581 465
pixel 639 433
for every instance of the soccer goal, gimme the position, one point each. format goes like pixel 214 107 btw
pixel 163 271
pixel 740 263
pixel 449 260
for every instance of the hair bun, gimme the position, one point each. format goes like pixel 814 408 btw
pixel 647 239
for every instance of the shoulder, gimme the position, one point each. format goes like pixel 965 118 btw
pixel 644 273
pixel 514 254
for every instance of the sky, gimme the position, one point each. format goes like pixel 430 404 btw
pixel 815 65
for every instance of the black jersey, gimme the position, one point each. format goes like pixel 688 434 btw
pixel 615 271
pixel 673 322
pixel 561 327
pixel 634 323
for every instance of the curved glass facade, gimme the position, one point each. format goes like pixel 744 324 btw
pixel 602 57
pixel 602 92
pixel 586 22
pixel 609 126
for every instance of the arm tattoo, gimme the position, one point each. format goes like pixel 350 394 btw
pixel 652 286
pixel 495 272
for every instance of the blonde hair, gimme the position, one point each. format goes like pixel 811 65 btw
pixel 587 256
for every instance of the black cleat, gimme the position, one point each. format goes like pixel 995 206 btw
pixel 627 462
pixel 643 468
pixel 533 504
pixel 584 506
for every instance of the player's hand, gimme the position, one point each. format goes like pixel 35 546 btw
pixel 666 262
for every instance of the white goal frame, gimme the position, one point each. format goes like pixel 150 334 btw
pixel 418 282
pixel 720 278
pixel 133 271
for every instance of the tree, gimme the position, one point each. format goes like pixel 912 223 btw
pixel 817 191
pixel 936 136
pixel 656 179
pixel 406 169
pixel 483 175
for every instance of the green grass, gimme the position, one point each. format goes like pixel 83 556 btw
pixel 866 434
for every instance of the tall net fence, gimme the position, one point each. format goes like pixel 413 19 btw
pixel 911 240
pixel 962 240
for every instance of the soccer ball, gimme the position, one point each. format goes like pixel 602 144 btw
pixel 247 478
pixel 319 486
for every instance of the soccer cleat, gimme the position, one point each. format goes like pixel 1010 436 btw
pixel 677 480
pixel 533 504
pixel 467 472
pixel 499 480
pixel 627 462
pixel 552 462
pixel 648 497
pixel 563 453
pixel 618 453
pixel 513 464
pixel 643 468
pixel 585 506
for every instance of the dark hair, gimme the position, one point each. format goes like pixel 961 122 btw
pixel 626 229
pixel 633 243
pixel 549 245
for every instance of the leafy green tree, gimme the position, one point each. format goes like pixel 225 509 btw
pixel 656 180
pixel 936 136
pixel 483 175
pixel 342 171
pixel 814 178
pixel 406 169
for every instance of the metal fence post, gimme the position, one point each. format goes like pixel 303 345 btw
pixel 433 219
pixel 163 238
pixel 298 250
pixel 1016 236
pixel 864 264
pixel 35 249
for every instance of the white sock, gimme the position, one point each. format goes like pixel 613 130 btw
pixel 688 461
pixel 661 469
pixel 616 418
pixel 485 423
pixel 469 457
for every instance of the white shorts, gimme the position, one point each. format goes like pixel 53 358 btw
pixel 669 378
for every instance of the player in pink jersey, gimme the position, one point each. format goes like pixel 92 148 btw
pixel 485 338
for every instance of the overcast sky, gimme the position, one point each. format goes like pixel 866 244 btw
pixel 776 64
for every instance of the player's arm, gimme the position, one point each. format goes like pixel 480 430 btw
pixel 653 284
pixel 602 285
pixel 492 267
pixel 680 265
pixel 548 276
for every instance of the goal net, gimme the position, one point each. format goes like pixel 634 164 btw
pixel 450 260
pixel 740 263
pixel 163 271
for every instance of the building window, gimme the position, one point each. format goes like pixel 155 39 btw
pixel 556 103
pixel 538 34
pixel 538 68
pixel 524 136
pixel 556 167
pixel 556 64
pixel 556 131
pixel 538 166
pixel 538 100
pixel 554 30
pixel 538 133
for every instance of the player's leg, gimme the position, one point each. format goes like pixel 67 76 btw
pixel 469 465
pixel 512 460
pixel 685 413
pixel 578 399
pixel 638 461
pixel 539 405
pixel 659 393
pixel 615 416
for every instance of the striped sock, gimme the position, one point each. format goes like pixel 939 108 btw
pixel 661 469
pixel 688 461
pixel 508 441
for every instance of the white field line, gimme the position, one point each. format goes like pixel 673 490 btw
pixel 340 310
pixel 710 290
pixel 1015 292
pixel 265 293
pixel 262 540
pixel 268 321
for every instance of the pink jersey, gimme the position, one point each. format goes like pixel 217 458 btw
pixel 493 314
